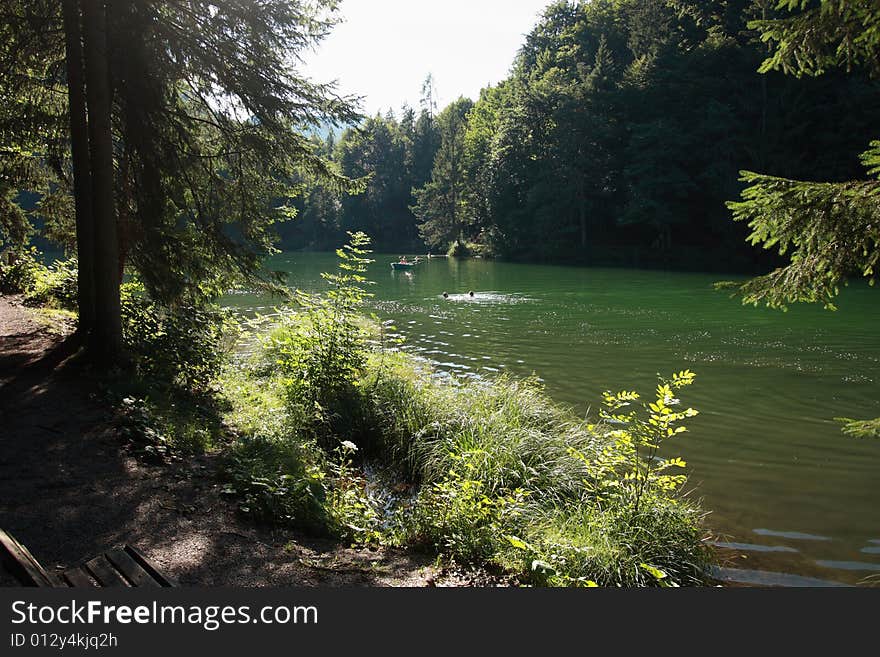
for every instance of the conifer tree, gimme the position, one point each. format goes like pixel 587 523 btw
pixel 441 204
pixel 196 122
pixel 30 115
pixel 830 230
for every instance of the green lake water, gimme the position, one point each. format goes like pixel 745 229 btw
pixel 791 500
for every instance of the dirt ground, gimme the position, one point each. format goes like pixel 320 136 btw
pixel 69 490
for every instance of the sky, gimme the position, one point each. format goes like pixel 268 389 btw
pixel 385 48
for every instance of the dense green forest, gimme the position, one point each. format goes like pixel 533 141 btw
pixel 617 139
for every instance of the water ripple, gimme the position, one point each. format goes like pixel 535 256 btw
pixel 769 578
pixel 795 536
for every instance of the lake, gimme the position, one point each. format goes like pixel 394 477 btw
pixel 791 500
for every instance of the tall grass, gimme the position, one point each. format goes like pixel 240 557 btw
pixel 524 464
pixel 516 435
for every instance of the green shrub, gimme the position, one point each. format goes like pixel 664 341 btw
pixel 352 508
pixel 458 249
pixel 457 515
pixel 277 481
pixel 466 249
pixel 320 351
pixel 20 276
pixel 592 502
pixel 524 439
pixel 184 346
pixel 323 355
pixel 627 470
pixel 163 431
pixel 274 470
pixel 137 423
pixel 158 423
pixel 55 286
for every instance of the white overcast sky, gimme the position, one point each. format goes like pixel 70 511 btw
pixel 385 48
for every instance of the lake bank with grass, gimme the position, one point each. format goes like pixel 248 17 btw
pixel 500 477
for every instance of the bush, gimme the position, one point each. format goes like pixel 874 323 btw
pixel 352 507
pixel 55 286
pixel 323 356
pixel 159 430
pixel 466 249
pixel 20 276
pixel 277 481
pixel 184 346
pixel 506 476
pixel 273 470
pixel 320 351
pixel 458 516
pixel 459 250
pixel 583 544
pixel 509 477
pixel 522 437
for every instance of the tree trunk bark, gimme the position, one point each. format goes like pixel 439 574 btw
pixel 82 180
pixel 582 215
pixel 107 333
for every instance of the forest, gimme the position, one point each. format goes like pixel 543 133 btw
pixel 617 139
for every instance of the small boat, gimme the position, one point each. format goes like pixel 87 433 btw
pixel 399 266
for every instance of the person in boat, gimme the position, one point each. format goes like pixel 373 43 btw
pixel 403 260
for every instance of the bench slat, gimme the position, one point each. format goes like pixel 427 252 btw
pixel 132 570
pixel 78 578
pixel 104 572
pixel 147 565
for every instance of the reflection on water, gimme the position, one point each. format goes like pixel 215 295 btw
pixel 794 536
pixel 765 451
pixel 850 565
pixel 769 578
pixel 751 547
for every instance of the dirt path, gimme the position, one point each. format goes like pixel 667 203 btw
pixel 69 491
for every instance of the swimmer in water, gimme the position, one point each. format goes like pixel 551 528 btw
pixel 471 293
pixel 446 295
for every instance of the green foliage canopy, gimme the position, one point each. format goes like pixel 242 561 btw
pixel 209 119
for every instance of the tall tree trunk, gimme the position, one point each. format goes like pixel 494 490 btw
pixel 763 149
pixel 82 179
pixel 107 333
pixel 582 219
pixel 123 216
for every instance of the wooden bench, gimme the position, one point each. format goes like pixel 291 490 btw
pixel 124 566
